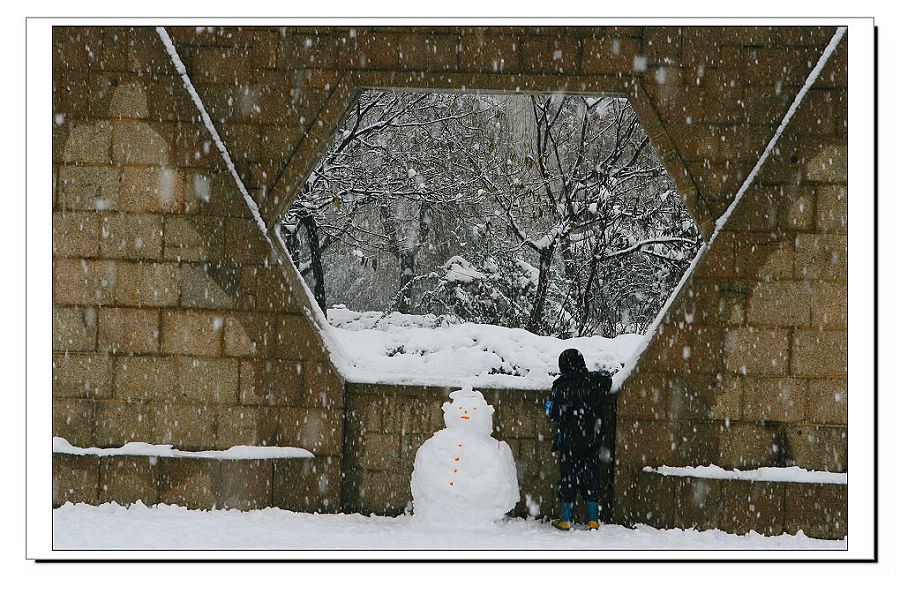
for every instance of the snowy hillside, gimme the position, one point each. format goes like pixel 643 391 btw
pixel 411 349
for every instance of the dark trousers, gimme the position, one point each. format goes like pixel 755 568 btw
pixel 580 472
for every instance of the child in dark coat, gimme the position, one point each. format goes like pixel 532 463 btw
pixel 575 406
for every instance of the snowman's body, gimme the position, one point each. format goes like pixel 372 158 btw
pixel 462 474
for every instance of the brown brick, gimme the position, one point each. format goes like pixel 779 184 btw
pixel 129 100
pixel 653 500
pixel 220 65
pixel 819 352
pixel 549 54
pixel 82 375
pixel 827 401
pixel 145 378
pixel 644 442
pixel 75 234
pixel 193 238
pixel 608 55
pixel 295 338
pixel 776 208
pixel 244 484
pixel 377 451
pixel 141 143
pixel 321 386
pixel 265 288
pixel 643 398
pixel 119 423
pixel 151 190
pixel 774 399
pixel 271 381
pixel 184 426
pixel 489 53
pixel 307 51
pixel 748 445
pixel 821 256
pixel 126 479
pixel 701 396
pixel 779 303
pixel 820 511
pixel 828 165
pixel 189 482
pixel 127 330
pixel 829 305
pixel 236 425
pixel 750 505
pixel 818 448
pixel 194 146
pixel 248 334
pixel 757 350
pixel 74 329
pixel 699 503
pixel 831 208
pixel 711 301
pixel 209 381
pixel 719 258
pixel 83 281
pixel 381 491
pixel 428 52
pixel 75 479
pixel 88 187
pixel 307 484
pixel 147 283
pixel 764 256
pixel 192 332
pixel 370 50
pixel 211 286
pixel 131 236
pixel 695 348
pixel 88 142
pixel 73 420
pixel 316 430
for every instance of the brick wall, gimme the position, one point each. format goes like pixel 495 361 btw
pixel 175 321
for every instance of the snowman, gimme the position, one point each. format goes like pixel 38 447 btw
pixel 462 475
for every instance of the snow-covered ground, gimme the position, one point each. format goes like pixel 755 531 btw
pixel 111 526
pixel 411 349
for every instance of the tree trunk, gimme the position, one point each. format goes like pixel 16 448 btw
pixel 537 310
pixel 407 260
pixel 315 260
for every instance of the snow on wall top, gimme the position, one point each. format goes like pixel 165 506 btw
pixel 792 474
pixel 426 350
pixel 139 448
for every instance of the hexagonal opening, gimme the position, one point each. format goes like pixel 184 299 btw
pixel 551 213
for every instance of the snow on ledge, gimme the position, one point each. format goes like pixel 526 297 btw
pixel 791 474
pixel 140 448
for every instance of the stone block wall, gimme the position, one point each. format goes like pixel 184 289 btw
pixel 297 484
pixel 749 367
pixel 175 320
pixel 737 506
pixel 386 425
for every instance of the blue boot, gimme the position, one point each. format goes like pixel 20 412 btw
pixel 593 514
pixel 565 514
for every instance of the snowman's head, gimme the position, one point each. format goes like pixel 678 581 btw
pixel 468 410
